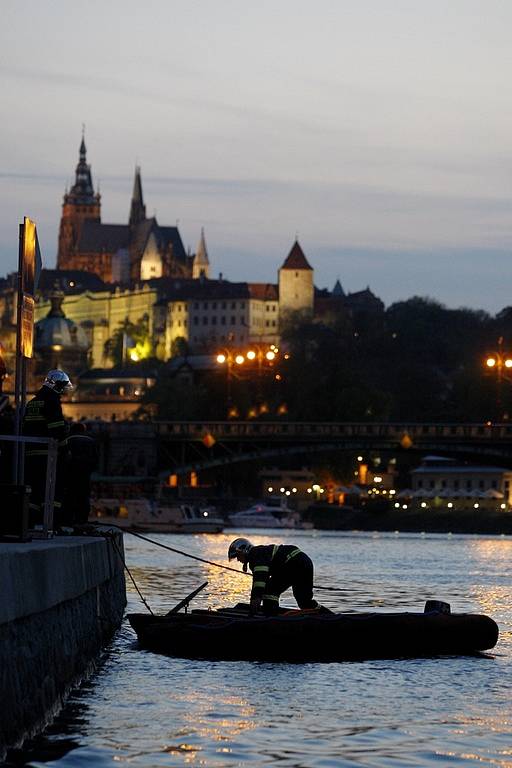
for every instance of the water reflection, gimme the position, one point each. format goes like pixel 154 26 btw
pixel 148 710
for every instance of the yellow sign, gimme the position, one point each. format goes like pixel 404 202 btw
pixel 27 326
pixel 31 259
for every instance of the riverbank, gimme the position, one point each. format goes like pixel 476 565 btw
pixel 326 517
pixel 62 600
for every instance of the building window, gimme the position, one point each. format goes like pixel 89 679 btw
pixel 223 305
pixel 494 484
pixel 179 307
pixel 242 305
pixel 196 321
pixel 196 305
pixel 233 320
pixel 214 305
pixel 481 484
pixel 223 320
pixel 205 305
pixel 267 308
pixel 420 483
pixel 233 305
pixel 205 321
pixel 214 321
pixel 469 485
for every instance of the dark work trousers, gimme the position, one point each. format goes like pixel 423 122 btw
pixel 297 573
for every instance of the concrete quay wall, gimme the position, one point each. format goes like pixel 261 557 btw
pixel 62 600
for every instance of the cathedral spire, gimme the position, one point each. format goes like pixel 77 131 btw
pixel 80 204
pixel 201 265
pixel 137 208
pixel 83 151
pixel 82 191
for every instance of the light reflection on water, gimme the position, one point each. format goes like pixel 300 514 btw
pixel 150 710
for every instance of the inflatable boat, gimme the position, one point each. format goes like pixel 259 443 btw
pixel 310 636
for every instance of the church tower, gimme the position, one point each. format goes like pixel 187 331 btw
pixel 201 265
pixel 137 207
pixel 296 288
pixel 80 204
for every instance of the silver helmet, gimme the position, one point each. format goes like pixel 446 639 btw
pixel 239 548
pixel 58 381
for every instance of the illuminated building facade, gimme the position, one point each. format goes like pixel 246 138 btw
pixel 117 253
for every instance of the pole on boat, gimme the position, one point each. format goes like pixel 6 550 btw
pixel 186 600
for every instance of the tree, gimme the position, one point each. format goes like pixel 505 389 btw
pixel 179 347
pixel 130 342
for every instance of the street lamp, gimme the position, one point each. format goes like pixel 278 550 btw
pixel 500 363
pixel 228 358
pixel 261 354
pixel 257 355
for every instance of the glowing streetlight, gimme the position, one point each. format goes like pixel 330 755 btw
pixel 500 363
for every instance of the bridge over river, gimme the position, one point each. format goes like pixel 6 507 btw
pixel 179 447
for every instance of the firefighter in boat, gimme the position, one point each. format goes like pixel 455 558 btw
pixel 275 568
pixel 43 418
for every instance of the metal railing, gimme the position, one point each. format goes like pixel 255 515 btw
pixel 51 472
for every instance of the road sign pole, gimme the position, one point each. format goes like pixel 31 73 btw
pixel 19 385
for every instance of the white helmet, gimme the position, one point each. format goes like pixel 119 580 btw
pixel 58 381
pixel 240 547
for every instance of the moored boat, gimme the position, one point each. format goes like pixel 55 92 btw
pixel 299 636
pixel 270 513
pixel 155 517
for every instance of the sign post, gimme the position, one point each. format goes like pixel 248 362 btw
pixel 29 268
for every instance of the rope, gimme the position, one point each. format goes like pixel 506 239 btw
pixel 208 562
pixel 106 535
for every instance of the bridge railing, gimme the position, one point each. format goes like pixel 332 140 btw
pixel 286 430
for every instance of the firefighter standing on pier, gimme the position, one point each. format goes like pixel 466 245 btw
pixel 43 418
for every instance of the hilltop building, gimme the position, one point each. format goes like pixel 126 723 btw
pixel 117 253
pixel 109 276
pixel 296 287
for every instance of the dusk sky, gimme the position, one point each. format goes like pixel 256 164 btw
pixel 379 131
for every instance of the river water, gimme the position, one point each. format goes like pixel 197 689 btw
pixel 143 709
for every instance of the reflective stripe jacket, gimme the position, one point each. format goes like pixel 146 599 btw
pixel 43 418
pixel 266 561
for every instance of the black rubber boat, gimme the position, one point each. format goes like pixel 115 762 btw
pixel 296 636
